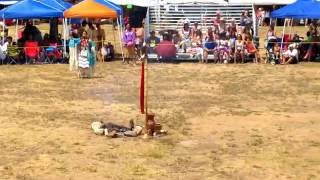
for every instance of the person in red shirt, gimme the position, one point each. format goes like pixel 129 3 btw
pixel 252 50
pixel 166 49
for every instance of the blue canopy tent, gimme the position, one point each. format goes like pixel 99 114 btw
pixel 112 5
pixel 36 9
pixel 31 9
pixel 299 10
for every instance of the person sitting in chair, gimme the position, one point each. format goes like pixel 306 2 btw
pixel 152 42
pixel 209 45
pixel 291 55
pixel 166 49
pixel 108 52
pixel 12 50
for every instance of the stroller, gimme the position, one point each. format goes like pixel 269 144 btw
pixel 271 56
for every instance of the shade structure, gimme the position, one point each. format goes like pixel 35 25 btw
pixel 141 3
pixel 298 10
pixel 90 9
pixel 31 9
pixel 58 4
pixel 111 5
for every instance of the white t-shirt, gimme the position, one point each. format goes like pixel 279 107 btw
pixel 293 53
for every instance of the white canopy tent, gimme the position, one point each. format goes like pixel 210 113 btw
pixel 262 2
pixel 195 1
pixel 8 2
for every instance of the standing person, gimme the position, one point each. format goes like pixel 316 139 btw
pixel 73 51
pixel 139 40
pixel 82 28
pixel 92 32
pixel 101 36
pixel 86 56
pixel 129 38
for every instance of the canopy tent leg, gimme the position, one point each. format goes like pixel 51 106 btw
pixel 64 37
pixel 291 25
pixel 283 31
pixel 3 27
pixel 120 37
pixel 254 21
pixel 147 25
pixel 17 24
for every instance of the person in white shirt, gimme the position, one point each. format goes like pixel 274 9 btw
pixel 290 56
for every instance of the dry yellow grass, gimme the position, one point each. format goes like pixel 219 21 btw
pixel 225 122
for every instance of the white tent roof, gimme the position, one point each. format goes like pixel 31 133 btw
pixel 142 3
pixel 262 2
pixel 148 3
pixel 195 1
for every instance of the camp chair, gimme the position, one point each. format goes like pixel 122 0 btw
pixel 12 53
pixel 52 53
pixel 31 51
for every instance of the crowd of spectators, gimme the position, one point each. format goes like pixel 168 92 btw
pixel 226 42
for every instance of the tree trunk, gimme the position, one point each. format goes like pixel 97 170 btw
pixel 54 28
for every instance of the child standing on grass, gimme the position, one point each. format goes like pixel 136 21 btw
pixel 87 57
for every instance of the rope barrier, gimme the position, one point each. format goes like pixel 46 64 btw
pixel 118 43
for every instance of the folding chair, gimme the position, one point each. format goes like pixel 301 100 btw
pixel 52 53
pixel 32 51
pixel 12 52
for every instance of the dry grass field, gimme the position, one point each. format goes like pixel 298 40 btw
pixel 225 122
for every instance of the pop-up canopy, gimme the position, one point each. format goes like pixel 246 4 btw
pixel 111 5
pixel 299 9
pixel 31 9
pixel 92 9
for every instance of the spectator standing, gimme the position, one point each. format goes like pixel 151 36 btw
pixel 101 36
pixel 129 38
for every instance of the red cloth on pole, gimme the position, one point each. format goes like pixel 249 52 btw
pixel 142 89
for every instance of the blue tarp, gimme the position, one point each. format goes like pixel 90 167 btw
pixel 299 10
pixel 31 9
pixel 111 5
